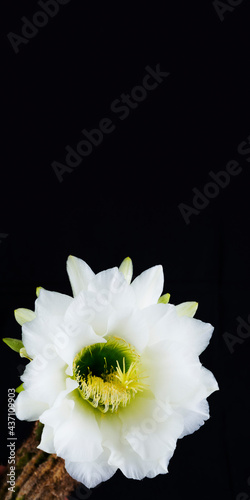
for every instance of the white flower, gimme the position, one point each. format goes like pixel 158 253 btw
pixel 114 374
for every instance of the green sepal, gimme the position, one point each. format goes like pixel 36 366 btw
pixel 187 309
pixel 24 315
pixel 23 353
pixel 14 344
pixel 126 268
pixel 38 290
pixel 164 299
pixel 19 389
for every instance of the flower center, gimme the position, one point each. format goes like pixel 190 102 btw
pixel 108 374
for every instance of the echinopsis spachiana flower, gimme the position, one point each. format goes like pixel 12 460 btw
pixel 114 372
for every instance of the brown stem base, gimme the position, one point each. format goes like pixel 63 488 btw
pixel 38 475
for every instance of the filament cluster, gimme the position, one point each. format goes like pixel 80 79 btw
pixel 114 386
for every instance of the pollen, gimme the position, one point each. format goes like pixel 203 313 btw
pixel 109 375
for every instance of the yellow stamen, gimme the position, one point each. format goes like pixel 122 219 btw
pixel 114 388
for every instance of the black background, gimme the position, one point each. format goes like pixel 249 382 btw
pixel 123 198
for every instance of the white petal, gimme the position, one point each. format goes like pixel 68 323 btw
pixel 189 332
pixel 122 454
pixel 76 433
pixel 109 285
pixel 91 473
pixel 171 371
pixel 194 419
pixel 72 337
pixel 209 381
pixel 175 374
pixel 47 440
pixel 148 286
pixel 80 274
pixel 45 381
pixel 110 292
pixel 52 303
pixel 130 326
pixel 153 314
pixel 151 428
pixel 89 308
pixel 27 408
pixel 71 385
pixel 38 334
pixel 158 468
